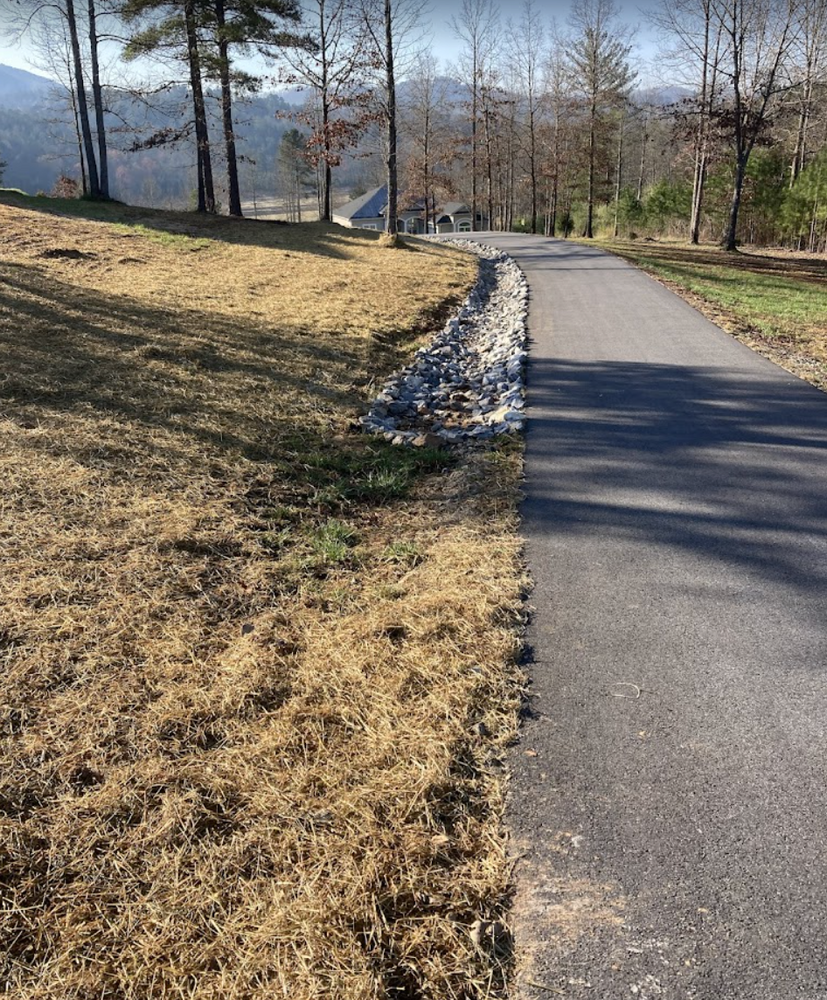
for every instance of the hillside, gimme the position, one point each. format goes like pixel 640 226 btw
pixel 38 141
pixel 257 669
pixel 21 89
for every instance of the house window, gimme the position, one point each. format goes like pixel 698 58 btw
pixel 369 225
pixel 463 227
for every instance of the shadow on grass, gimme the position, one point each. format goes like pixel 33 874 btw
pixel 810 269
pixel 188 386
pixel 138 392
pixel 318 238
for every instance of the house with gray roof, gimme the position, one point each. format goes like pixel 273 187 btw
pixel 455 217
pixel 365 212
pixel 369 210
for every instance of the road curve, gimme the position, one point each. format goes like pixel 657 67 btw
pixel 669 797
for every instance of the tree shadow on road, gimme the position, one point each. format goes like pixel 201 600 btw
pixel 728 465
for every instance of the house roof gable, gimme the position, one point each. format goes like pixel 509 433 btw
pixel 412 204
pixel 456 208
pixel 370 205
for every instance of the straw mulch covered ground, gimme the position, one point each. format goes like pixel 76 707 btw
pixel 256 672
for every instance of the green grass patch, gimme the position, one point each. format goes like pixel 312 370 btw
pixel 374 473
pixel 181 241
pixel 334 540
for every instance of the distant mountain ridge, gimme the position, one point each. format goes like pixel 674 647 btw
pixel 38 141
pixel 21 89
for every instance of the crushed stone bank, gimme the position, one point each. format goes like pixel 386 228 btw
pixel 468 383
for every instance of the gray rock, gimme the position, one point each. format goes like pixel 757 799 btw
pixel 472 371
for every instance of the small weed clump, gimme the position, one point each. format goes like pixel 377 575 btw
pixel 404 553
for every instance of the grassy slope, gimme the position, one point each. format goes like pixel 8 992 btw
pixel 776 302
pixel 245 652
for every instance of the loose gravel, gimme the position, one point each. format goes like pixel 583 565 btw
pixel 468 384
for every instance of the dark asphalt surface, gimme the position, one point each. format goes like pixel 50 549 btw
pixel 669 798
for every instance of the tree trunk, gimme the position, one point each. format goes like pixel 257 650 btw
pixel 618 172
pixel 199 167
pixel 533 167
pixel 79 138
pixel 555 177
pixel 327 184
pixel 426 162
pixel 699 173
pixel 391 221
pixel 801 135
pixel 324 95
pixel 729 242
pixel 206 199
pixel 83 108
pixel 97 100
pixel 474 92
pixel 589 233
pixel 552 222
pixel 489 167
pixel 233 192
pixel 327 173
pixel 698 184
pixel 641 176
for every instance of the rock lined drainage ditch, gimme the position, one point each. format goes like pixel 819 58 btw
pixel 468 383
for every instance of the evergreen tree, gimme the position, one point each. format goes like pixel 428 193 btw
pixel 177 32
pixel 243 25
pixel 295 173
pixel 804 213
pixel 600 73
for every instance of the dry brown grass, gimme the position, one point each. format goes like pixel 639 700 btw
pixel 257 672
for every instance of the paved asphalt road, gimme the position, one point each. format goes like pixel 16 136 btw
pixel 670 788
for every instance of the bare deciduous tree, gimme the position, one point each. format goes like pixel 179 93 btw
pixel 808 53
pixel 695 35
pixel 526 54
pixel 392 29
pixel 34 16
pixel 476 27
pixel 426 126
pixel 334 68
pixel 558 98
pixel 758 35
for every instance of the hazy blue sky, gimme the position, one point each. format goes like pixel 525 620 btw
pixel 445 46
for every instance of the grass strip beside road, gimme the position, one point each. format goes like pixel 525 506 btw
pixel 773 301
pixel 257 670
